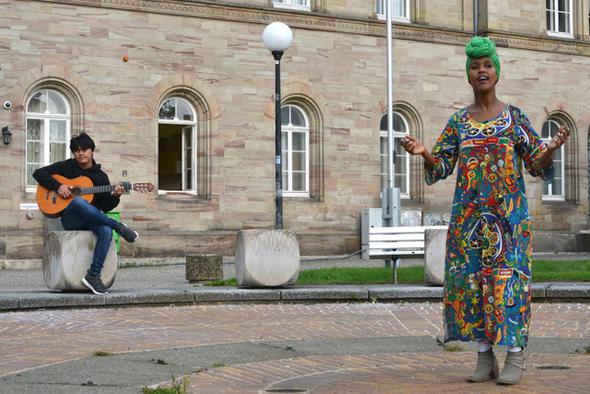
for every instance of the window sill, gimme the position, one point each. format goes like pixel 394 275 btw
pixel 180 197
pixel 554 200
pixel 296 195
pixel 176 193
pixel 559 34
pixel 397 19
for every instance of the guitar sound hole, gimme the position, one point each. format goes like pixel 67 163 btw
pixel 75 191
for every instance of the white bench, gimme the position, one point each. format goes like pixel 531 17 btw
pixel 393 243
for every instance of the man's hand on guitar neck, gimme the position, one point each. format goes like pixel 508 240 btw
pixel 119 190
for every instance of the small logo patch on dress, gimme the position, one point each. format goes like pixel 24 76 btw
pixel 505 272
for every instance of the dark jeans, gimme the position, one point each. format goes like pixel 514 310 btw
pixel 81 215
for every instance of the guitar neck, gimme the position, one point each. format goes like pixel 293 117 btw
pixel 98 189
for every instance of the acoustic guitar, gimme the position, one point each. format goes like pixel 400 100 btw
pixel 52 205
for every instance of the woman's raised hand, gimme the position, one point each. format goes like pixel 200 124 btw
pixel 413 146
pixel 559 139
pixel 554 144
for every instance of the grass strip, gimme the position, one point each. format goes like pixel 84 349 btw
pixel 543 271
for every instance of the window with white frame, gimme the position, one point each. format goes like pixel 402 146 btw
pixel 302 5
pixel 559 18
pixel 177 124
pixel 400 10
pixel 401 173
pixel 48 131
pixel 554 190
pixel 295 151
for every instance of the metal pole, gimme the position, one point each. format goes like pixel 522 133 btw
pixel 390 98
pixel 278 146
pixel 391 195
pixel 475 17
pixel 385 193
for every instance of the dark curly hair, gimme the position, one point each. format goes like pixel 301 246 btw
pixel 81 141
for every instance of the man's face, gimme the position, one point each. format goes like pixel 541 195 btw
pixel 83 157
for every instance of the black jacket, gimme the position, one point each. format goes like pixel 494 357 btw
pixel 71 169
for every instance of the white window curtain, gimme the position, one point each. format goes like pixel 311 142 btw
pixel 399 10
pixel 559 18
pixel 554 190
pixel 48 131
pixel 302 5
pixel 402 164
pixel 295 151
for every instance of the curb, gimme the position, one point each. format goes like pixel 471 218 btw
pixel 19 301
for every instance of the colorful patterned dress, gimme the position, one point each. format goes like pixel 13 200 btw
pixel 487 293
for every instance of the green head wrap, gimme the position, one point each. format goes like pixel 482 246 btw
pixel 480 47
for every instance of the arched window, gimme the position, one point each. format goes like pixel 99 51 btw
pixel 177 150
pixel 402 162
pixel 48 131
pixel 295 151
pixel 555 190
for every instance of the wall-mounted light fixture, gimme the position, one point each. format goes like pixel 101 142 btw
pixel 6 135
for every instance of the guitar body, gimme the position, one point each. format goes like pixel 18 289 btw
pixel 52 205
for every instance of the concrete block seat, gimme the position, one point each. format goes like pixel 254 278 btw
pixel 267 258
pixel 434 256
pixel 67 256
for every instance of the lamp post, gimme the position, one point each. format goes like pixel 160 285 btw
pixel 277 38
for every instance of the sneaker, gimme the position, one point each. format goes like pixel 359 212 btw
pixel 126 233
pixel 95 284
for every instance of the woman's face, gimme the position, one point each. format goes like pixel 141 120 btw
pixel 482 74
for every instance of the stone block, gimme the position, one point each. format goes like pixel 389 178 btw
pixel 406 292
pixel 569 291
pixel 434 256
pixel 411 218
pixel 326 293
pixel 150 297
pixel 437 219
pixel 67 256
pixel 203 294
pixel 267 258
pixel 201 267
pixel 553 242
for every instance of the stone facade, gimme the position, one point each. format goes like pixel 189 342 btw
pixel 211 53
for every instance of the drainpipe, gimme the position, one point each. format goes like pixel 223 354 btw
pixel 475 17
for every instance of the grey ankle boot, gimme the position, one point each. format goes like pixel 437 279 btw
pixel 513 368
pixel 487 367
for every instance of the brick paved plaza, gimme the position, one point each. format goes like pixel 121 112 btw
pixel 314 349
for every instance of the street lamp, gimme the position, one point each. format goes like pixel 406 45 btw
pixel 277 37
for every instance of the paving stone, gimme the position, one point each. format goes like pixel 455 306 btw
pixel 33 340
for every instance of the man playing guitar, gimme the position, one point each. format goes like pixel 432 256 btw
pixel 79 213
